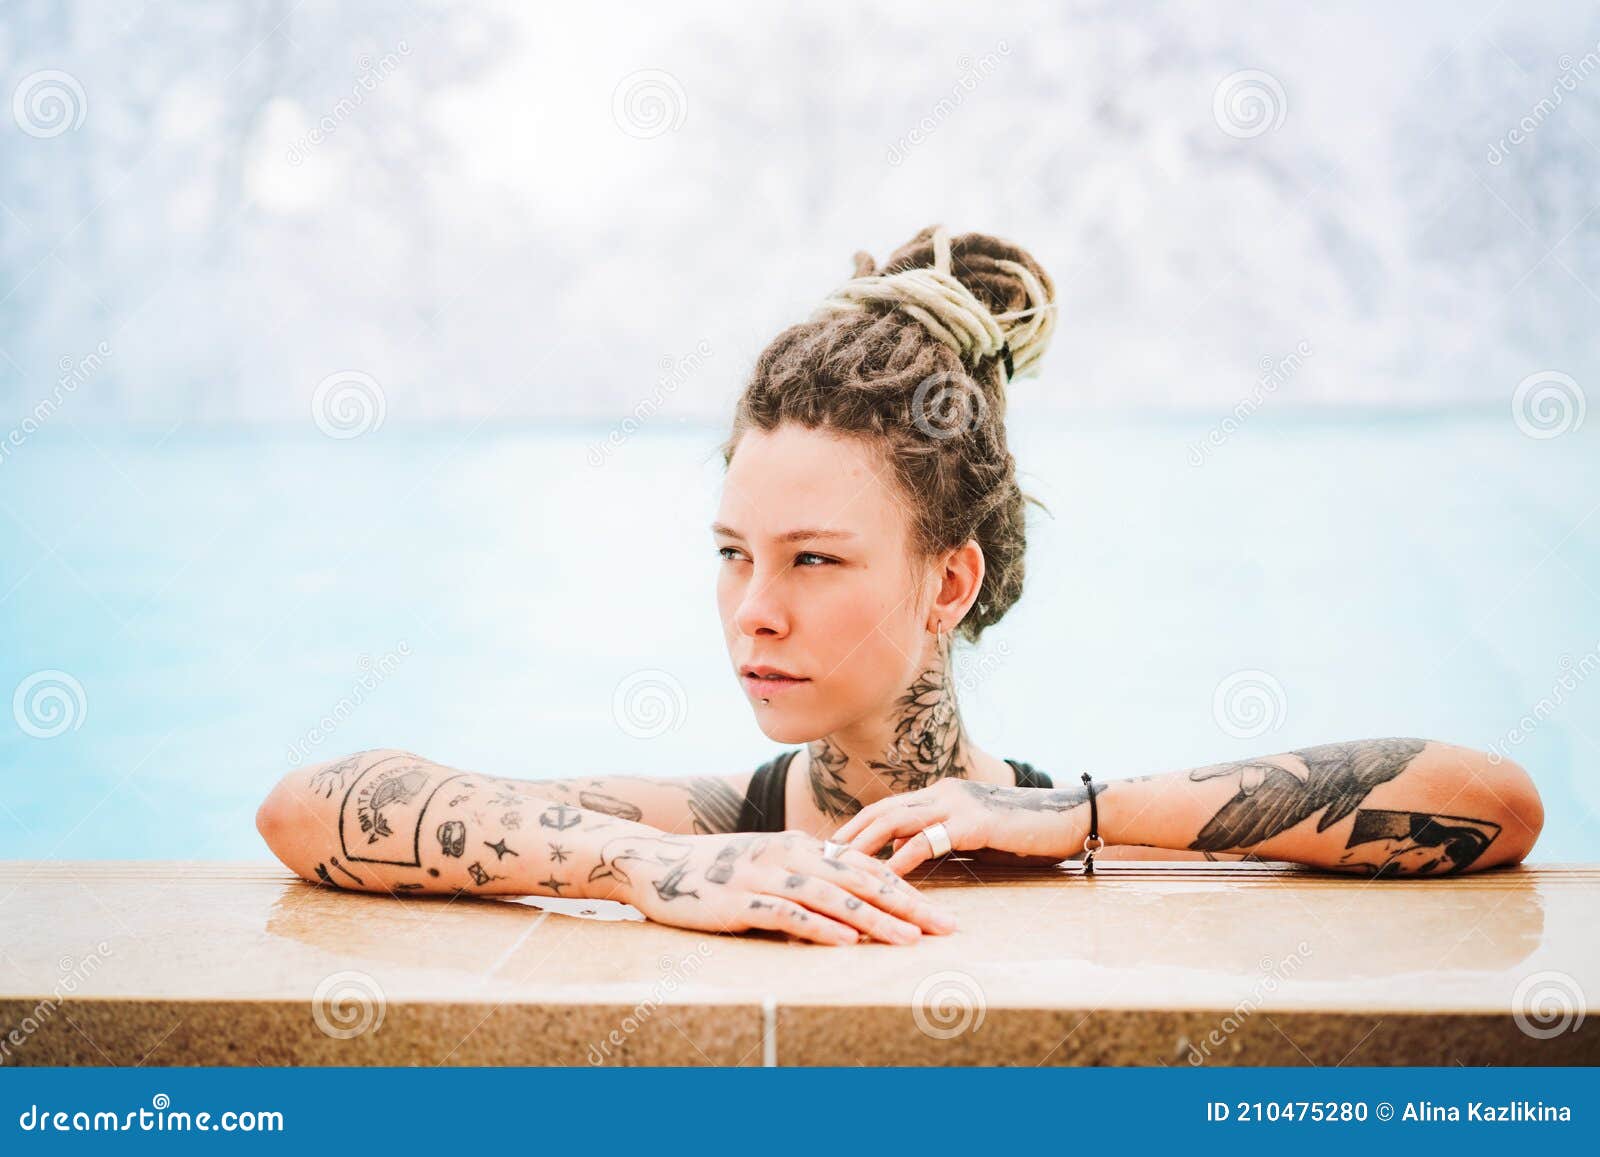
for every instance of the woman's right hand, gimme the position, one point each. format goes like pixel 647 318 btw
pixel 782 882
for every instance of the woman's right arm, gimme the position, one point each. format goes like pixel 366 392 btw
pixel 392 822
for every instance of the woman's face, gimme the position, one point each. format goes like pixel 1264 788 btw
pixel 816 581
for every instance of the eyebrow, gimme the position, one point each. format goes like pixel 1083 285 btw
pixel 805 534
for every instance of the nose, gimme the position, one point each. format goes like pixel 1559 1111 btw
pixel 761 610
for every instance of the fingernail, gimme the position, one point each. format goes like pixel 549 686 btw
pixel 943 921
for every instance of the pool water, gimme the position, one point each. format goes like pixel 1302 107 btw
pixel 185 616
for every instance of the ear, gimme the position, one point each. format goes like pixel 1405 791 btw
pixel 960 578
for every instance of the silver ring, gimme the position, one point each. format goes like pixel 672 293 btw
pixel 938 839
pixel 832 851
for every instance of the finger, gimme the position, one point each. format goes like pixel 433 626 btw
pixel 913 799
pixel 873 881
pixel 861 819
pixel 899 822
pixel 916 850
pixel 860 912
pixel 779 914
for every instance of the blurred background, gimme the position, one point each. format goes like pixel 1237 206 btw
pixel 362 367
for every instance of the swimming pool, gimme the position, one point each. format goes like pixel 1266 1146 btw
pixel 186 616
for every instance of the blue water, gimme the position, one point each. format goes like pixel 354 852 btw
pixel 214 594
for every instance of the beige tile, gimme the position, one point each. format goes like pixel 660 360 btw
pixel 1153 963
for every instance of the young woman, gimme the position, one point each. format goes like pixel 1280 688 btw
pixel 870 516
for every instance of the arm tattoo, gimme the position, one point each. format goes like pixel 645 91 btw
pixel 1054 799
pixel 382 814
pixel 714 805
pixel 479 876
pixel 332 778
pixel 599 801
pixel 452 837
pixel 560 817
pixel 1331 779
pixel 1416 843
pixel 628 853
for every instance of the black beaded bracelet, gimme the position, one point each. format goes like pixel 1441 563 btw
pixel 1092 842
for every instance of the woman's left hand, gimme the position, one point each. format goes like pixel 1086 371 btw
pixel 1044 825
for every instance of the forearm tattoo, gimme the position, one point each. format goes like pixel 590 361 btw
pixel 1333 779
pixel 599 801
pixel 334 777
pixel 649 854
pixel 1416 843
pixel 1054 799
pixel 714 805
pixel 404 812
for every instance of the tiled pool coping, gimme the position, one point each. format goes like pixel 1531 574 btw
pixel 177 963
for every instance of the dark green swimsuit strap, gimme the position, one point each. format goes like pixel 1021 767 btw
pixel 763 807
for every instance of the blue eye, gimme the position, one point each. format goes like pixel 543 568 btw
pixel 724 552
pixel 807 554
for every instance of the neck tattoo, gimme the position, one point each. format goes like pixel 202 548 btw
pixel 927 744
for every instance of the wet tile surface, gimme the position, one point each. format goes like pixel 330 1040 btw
pixel 1146 963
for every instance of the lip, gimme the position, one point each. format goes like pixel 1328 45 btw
pixel 759 687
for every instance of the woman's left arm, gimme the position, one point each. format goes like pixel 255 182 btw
pixel 1371 807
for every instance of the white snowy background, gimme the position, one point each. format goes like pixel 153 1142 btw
pixel 524 210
